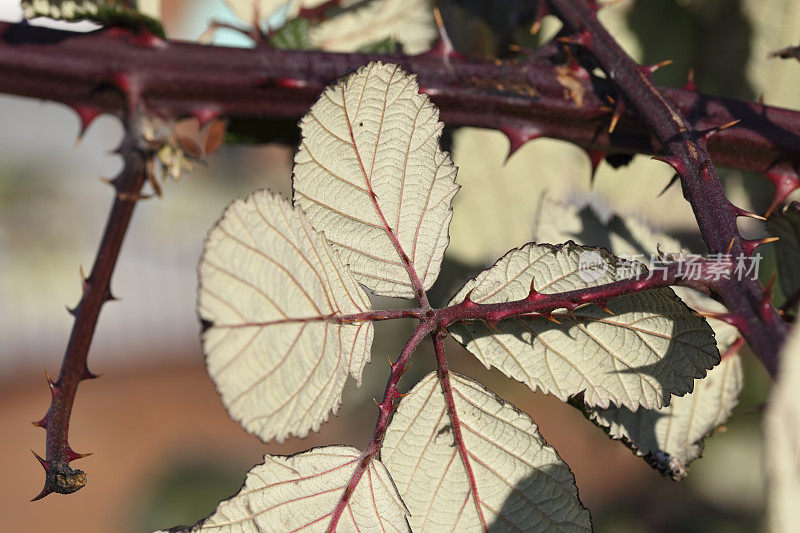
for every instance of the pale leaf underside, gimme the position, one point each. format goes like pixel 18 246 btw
pixel 370 173
pixel 672 436
pixel 650 348
pixel 782 440
pixel 409 22
pixel 265 10
pixel 521 483
pixel 300 492
pixel 271 288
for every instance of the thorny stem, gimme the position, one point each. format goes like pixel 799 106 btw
pixel 435 321
pixel 524 99
pixel 385 409
pixel 443 374
pixel 60 477
pixel 685 148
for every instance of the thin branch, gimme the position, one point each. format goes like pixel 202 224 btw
pixel 443 374
pixel 60 477
pixel 386 409
pixel 685 149
pixel 522 98
pixel 537 303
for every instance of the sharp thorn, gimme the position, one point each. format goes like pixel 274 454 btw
pixel 673 181
pixel 595 158
pixel 492 326
pixel 517 136
pixel 376 403
pixel 750 245
pixel 41 423
pixel 551 319
pixel 605 308
pixel 443 47
pixel 672 161
pixel 45 491
pixel 390 360
pixel 45 464
pixel 650 69
pixel 614 119
pixel 73 455
pixel 730 246
pixel 532 292
pixel 468 298
pixel 87 374
pixel 739 212
pixel 690 84
pixel 785 182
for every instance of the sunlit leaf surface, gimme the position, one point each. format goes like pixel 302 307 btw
pixel 371 175
pixel 520 482
pixel 300 492
pixel 651 347
pixel 272 291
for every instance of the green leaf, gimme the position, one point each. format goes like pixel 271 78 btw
pixel 785 224
pixel 782 440
pixel 271 292
pixel 652 346
pixel 520 482
pixel 386 46
pixel 290 493
pixel 370 173
pixel 294 35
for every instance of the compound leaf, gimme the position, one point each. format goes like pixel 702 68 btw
pixel 370 173
pixel 520 482
pixel 299 492
pixel 782 440
pixel 272 292
pixel 650 348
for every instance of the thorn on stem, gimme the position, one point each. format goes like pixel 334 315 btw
pixel 674 162
pixel 550 317
pixel 595 158
pixel 729 318
pixel 518 136
pixel 750 245
pixel 785 181
pixel 648 70
pixel 739 212
pixel 690 84
pixel 675 178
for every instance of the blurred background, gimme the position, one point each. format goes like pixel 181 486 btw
pixel 165 451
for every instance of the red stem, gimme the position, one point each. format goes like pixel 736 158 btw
pixel 386 409
pixel 443 374
pixel 60 477
pixel 524 99
pixel 686 150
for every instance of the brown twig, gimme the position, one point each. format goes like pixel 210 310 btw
pixel 60 477
pixel 685 149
